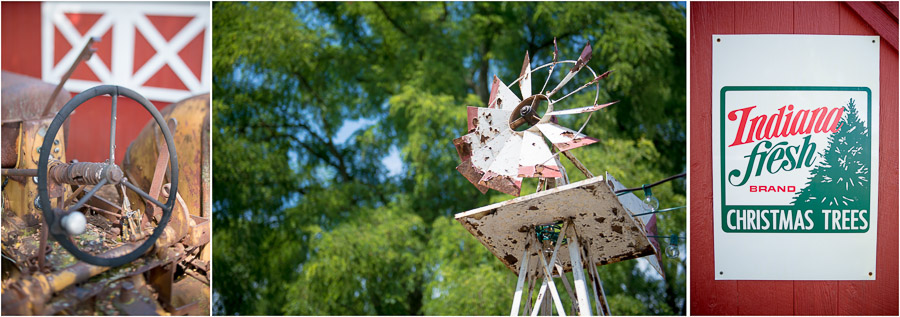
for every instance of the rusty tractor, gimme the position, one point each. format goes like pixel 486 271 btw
pixel 86 238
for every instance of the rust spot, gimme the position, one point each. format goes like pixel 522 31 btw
pixel 511 260
pixel 533 208
pixel 635 229
pixel 568 134
pixel 464 149
pixel 600 219
pixel 615 211
pixel 523 229
pixel 479 232
pixel 582 214
pixel 515 241
pixel 484 138
pixel 617 228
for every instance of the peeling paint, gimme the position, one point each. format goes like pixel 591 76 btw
pixel 590 205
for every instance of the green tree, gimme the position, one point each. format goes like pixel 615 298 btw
pixel 310 98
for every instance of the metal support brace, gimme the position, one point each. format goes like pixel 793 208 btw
pixel 523 271
pixel 584 308
pixel 600 302
pixel 578 164
pixel 537 266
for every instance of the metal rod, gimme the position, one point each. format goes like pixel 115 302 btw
pixel 142 193
pixel 523 271
pixel 553 293
pixel 578 164
pixel 584 308
pixel 19 172
pixel 112 129
pixel 103 211
pixel 72 197
pixel 85 54
pixel 87 196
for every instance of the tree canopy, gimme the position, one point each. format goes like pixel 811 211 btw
pixel 311 98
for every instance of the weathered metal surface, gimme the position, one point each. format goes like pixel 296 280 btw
pixel 503 174
pixel 635 205
pixel 478 149
pixel 84 173
pixel 496 155
pixel 141 158
pixel 10 142
pixel 607 227
pixel 504 98
pixel 564 138
pixel 27 296
pixel 24 98
pixel 536 159
pixel 20 193
pixel 525 78
pixel 193 294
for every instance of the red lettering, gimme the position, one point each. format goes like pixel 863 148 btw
pixel 783 123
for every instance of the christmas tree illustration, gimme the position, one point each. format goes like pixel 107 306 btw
pixel 842 176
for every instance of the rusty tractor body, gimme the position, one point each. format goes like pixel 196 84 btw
pixel 43 277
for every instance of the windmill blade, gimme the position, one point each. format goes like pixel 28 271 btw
pixel 477 150
pixel 536 159
pixel 580 110
pixel 525 78
pixel 582 60
pixel 564 138
pixel 471 118
pixel 503 173
pixel 502 97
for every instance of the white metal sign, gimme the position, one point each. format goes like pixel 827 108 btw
pixel 795 156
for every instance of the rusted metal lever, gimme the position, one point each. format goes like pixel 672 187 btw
pixel 85 54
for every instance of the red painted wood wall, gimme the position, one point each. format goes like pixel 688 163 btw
pixel 89 124
pixel 711 297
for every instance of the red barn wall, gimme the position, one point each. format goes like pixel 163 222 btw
pixel 711 297
pixel 89 124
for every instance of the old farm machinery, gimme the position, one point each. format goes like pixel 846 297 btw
pixel 85 238
pixel 564 227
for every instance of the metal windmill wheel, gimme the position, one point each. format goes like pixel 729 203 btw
pixel 506 143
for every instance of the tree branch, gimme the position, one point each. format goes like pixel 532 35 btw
pixel 394 23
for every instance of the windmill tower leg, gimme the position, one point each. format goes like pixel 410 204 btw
pixel 584 308
pixel 523 272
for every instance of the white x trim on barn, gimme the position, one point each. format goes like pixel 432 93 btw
pixel 125 19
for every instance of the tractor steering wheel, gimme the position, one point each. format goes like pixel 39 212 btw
pixel 105 173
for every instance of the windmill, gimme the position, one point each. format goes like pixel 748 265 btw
pixel 563 227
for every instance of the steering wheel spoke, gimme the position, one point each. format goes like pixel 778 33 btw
pixel 143 194
pixel 112 128
pixel 88 196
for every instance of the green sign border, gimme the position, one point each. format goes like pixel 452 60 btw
pixel 722 112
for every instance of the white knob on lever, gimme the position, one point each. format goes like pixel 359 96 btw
pixel 74 223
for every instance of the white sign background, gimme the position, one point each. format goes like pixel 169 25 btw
pixel 793 60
